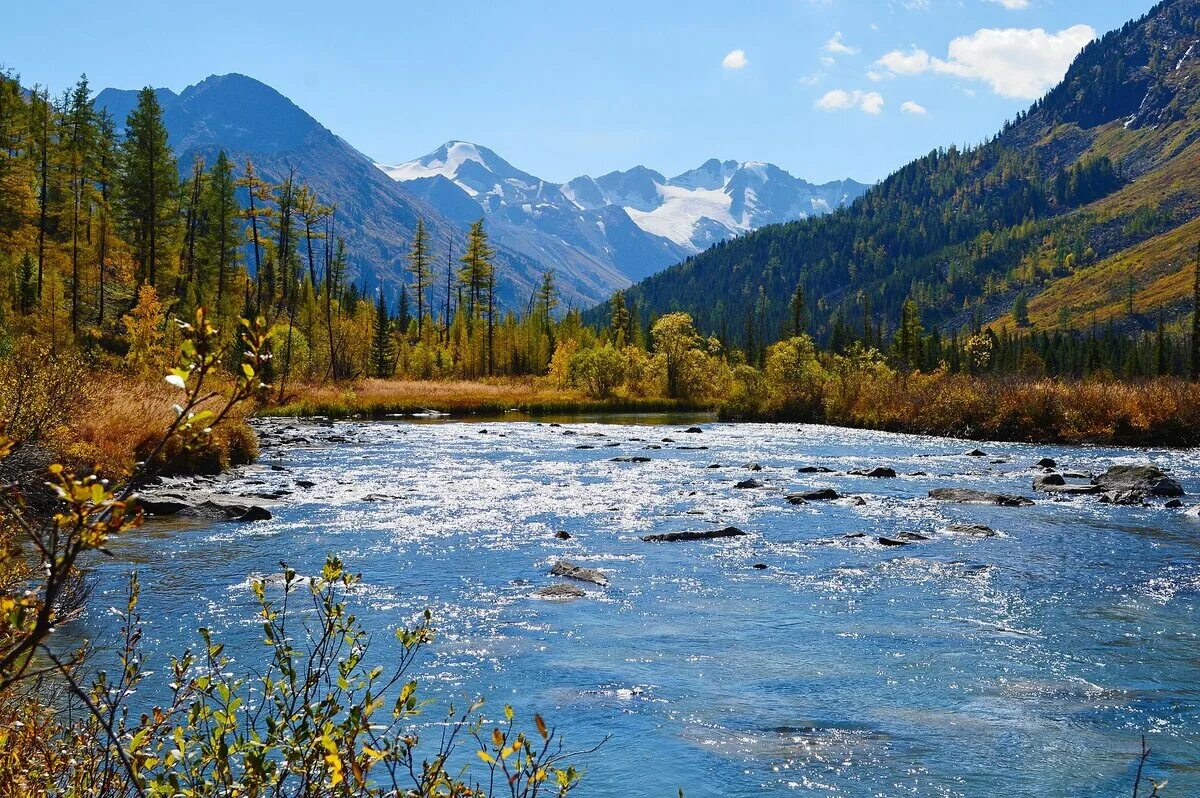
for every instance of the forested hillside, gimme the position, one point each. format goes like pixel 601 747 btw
pixel 1081 211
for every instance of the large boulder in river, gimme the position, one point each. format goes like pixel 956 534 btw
pixel 573 571
pixel 676 537
pixel 972 496
pixel 561 592
pixel 824 494
pixel 1145 479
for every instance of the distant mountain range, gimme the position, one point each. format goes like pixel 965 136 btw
pixel 1083 210
pixel 596 235
pixel 633 223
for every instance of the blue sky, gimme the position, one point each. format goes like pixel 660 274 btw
pixel 824 88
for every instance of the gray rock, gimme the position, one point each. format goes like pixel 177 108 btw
pixel 976 453
pixel 1133 498
pixel 759 566
pixel 1174 504
pixel 749 483
pixel 878 471
pixel 678 537
pixel 634 459
pixel 824 494
pixel 1147 479
pixel 1043 481
pixel 814 470
pixel 754 466
pixel 562 534
pixel 561 592
pixel 693 430
pixel 1047 462
pixel 891 542
pixel 977 530
pixel 164 505
pixel 572 571
pixel 972 496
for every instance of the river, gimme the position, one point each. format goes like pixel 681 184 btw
pixel 1025 663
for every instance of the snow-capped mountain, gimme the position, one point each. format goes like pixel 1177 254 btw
pixel 636 221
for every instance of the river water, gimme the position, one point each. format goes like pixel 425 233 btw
pixel 1027 663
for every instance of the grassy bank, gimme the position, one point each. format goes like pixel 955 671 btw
pixel 1159 412
pixel 382 398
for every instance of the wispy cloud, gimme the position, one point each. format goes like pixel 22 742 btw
pixel 910 107
pixel 735 59
pixel 1012 5
pixel 869 102
pixel 837 45
pixel 1014 62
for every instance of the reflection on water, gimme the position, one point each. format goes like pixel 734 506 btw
pixel 1025 663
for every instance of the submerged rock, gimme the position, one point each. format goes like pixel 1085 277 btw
pixel 972 496
pixel 562 534
pixel 1174 504
pixel 890 541
pixel 754 466
pixel 676 537
pixel 573 571
pixel 693 430
pixel 814 470
pixel 1047 462
pixel 634 459
pixel 759 566
pixel 1147 479
pixel 977 530
pixel 165 505
pixel 976 453
pixel 749 483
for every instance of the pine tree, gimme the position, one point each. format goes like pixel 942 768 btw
pixel 798 310
pixel 148 181
pixel 106 154
pixel 219 248
pixel 80 151
pixel 418 265
pixel 28 288
pixel 403 317
pixel 258 194
pixel 618 317
pixel 381 340
pixel 1021 309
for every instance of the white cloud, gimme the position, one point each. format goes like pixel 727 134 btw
pixel 870 102
pixel 910 107
pixel 836 45
pixel 898 62
pixel 1012 5
pixel 736 59
pixel 810 80
pixel 827 61
pixel 1014 62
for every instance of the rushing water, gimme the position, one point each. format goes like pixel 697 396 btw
pixel 1023 664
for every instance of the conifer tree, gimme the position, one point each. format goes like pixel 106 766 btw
pixel 258 193
pixel 219 245
pixel 381 340
pixel 106 154
pixel 418 265
pixel 1021 309
pixel 79 152
pixel 148 182
pixel 618 319
pixel 798 310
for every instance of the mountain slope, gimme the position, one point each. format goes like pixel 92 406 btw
pixel 633 223
pixel 1101 172
pixel 247 118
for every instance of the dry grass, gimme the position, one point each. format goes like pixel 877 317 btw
pixel 378 398
pixel 1162 412
pixel 121 417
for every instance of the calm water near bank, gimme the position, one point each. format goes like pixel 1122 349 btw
pixel 1028 663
